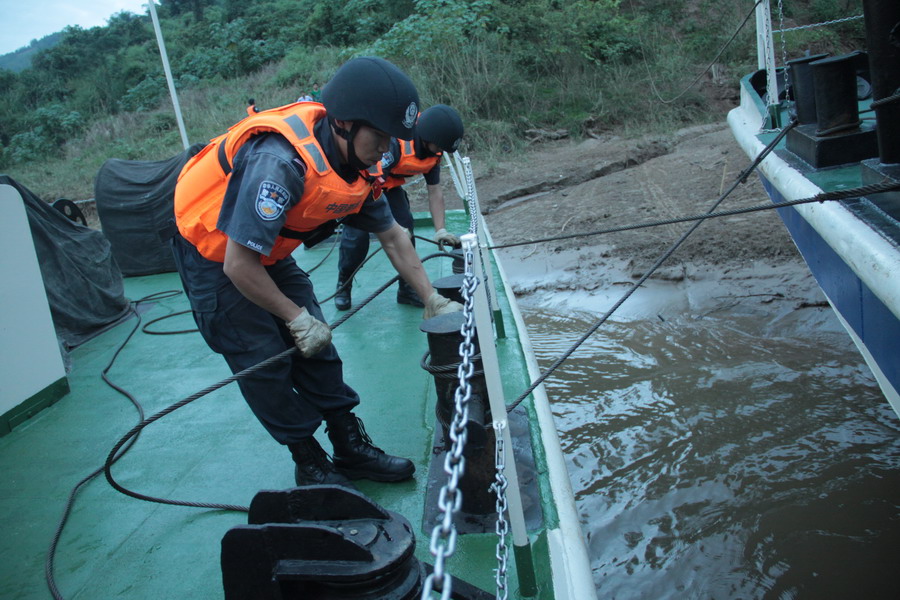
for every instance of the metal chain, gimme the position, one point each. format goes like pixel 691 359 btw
pixel 443 536
pixel 474 216
pixel 784 60
pixel 471 195
pixel 499 487
pixel 822 24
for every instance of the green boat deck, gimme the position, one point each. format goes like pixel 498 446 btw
pixel 213 450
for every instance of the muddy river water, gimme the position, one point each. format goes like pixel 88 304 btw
pixel 726 453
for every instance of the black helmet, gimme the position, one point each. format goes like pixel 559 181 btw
pixel 440 125
pixel 374 92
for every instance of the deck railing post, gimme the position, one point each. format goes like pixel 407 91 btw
pixel 497 401
pixel 456 174
pixel 766 60
pixel 479 231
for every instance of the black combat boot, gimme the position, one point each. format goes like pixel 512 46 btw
pixel 407 295
pixel 356 457
pixel 313 467
pixel 342 298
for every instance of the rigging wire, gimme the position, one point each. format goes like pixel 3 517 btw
pixel 70 501
pixel 665 256
pixel 148 330
pixel 706 70
pixel 334 244
pixel 820 198
pixel 357 269
pixel 130 438
pixel 112 457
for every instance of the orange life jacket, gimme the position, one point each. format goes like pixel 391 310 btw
pixel 407 165
pixel 203 180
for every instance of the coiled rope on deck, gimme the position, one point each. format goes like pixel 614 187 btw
pixel 112 457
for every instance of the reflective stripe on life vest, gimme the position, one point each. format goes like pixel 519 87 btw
pixel 408 165
pixel 204 179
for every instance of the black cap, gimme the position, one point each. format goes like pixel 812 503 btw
pixel 374 92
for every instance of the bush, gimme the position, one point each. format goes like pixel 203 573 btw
pixel 304 66
pixel 146 95
pixel 49 128
pixel 437 27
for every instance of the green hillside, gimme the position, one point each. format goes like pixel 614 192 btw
pixel 508 66
pixel 20 59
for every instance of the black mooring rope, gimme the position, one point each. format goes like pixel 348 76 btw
pixel 130 438
pixel 246 372
pixel 70 501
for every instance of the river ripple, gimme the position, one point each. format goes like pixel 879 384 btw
pixel 726 457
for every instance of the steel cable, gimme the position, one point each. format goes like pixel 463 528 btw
pixel 665 256
pixel 824 196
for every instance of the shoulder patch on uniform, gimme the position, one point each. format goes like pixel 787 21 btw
pixel 271 200
pixel 387 159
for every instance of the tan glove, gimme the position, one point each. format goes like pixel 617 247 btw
pixel 438 305
pixel 310 334
pixel 442 237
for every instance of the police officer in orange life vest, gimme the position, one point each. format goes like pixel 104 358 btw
pixel 438 129
pixel 250 198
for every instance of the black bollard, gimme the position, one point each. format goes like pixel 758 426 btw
pixel 459 261
pixel 883 43
pixel 836 105
pixel 444 340
pixel 320 542
pixel 450 287
pixel 837 136
pixel 803 88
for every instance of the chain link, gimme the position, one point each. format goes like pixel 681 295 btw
pixel 471 195
pixel 784 60
pixel 443 536
pixel 822 24
pixel 499 487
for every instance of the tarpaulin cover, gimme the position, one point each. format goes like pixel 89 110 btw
pixel 84 286
pixel 135 204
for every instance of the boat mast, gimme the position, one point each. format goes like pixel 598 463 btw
pixel 168 71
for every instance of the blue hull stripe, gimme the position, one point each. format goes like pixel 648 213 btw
pixel 863 311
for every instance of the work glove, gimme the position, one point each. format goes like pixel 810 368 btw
pixel 442 237
pixel 310 334
pixel 438 305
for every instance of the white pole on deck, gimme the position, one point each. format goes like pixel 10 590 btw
pixel 765 58
pixel 169 80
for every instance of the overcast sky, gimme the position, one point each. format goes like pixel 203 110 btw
pixel 24 20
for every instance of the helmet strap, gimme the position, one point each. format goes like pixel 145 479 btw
pixel 349 136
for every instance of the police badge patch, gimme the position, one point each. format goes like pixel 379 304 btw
pixel 412 112
pixel 271 200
